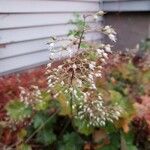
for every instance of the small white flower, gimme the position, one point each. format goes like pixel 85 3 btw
pixel 51 44
pixel 100 51
pixel 101 13
pixel 49 81
pixel 62 83
pixel 60 67
pixel 112 37
pixel 75 92
pixel 100 97
pixel 98 75
pixel 71 89
pixel 91 66
pixel 108 48
pixel 66 91
pixel 103 60
pixel 90 77
pixel 105 55
pixel 79 83
pixel 96 17
pixel 108 30
pixel 74 66
pixel 93 86
pixel 70 52
pixel 50 85
pixel 56 95
pixel 51 55
pixel 99 67
pixel 49 65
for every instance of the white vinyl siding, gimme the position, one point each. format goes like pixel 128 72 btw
pixel 126 5
pixel 26 25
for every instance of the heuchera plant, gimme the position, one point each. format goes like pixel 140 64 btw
pixel 76 76
pixel 74 106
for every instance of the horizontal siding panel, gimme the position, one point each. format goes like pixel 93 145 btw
pixel 69 0
pixel 126 5
pixel 21 62
pixel 31 6
pixel 29 20
pixel 24 34
pixel 22 48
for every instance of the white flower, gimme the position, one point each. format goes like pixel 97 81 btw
pixel 91 66
pixel 103 60
pixel 105 55
pixel 60 67
pixel 96 17
pixel 71 89
pixel 108 30
pixel 75 92
pixel 93 86
pixel 50 85
pixel 98 75
pixel 112 37
pixel 70 52
pixel 100 51
pixel 90 77
pixel 49 65
pixel 108 48
pixel 56 95
pixel 51 55
pixel 51 44
pixel 79 83
pixel 62 83
pixel 74 66
pixel 100 13
pixel 49 81
pixel 99 67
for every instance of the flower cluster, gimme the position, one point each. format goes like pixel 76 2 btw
pixel 98 14
pixel 96 113
pixel 77 71
pixel 30 97
pixel 108 30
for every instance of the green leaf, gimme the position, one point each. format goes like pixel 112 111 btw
pixel 41 118
pixel 82 127
pixel 123 102
pixel 17 111
pixel 84 46
pixel 110 128
pixel 128 139
pixel 46 137
pixel 71 141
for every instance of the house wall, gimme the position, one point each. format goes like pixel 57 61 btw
pixel 130 19
pixel 26 25
pixel 131 28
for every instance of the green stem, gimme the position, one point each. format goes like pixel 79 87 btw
pixel 80 40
